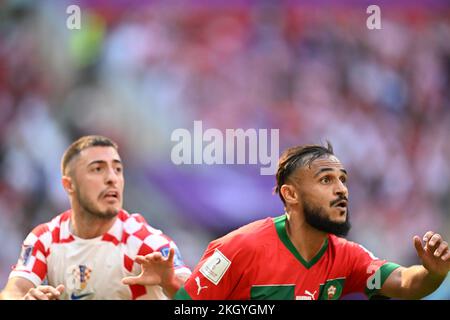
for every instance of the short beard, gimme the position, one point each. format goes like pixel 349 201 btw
pixel 91 211
pixel 316 218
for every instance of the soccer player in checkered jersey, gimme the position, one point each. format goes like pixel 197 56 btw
pixel 85 252
pixel 302 254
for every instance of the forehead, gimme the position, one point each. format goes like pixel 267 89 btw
pixel 328 162
pixel 99 153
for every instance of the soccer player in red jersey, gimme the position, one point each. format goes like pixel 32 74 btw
pixel 85 252
pixel 302 254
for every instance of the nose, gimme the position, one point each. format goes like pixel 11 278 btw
pixel 341 190
pixel 111 177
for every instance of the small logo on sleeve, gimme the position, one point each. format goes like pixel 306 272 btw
pixel 177 260
pixel 215 267
pixel 25 254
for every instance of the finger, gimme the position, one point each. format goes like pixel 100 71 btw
pixel 171 256
pixel 441 249
pixel 51 296
pixel 427 236
pixel 38 294
pixel 140 259
pixel 49 291
pixel 60 288
pixel 434 241
pixel 154 257
pixel 446 255
pixel 418 245
pixel 130 280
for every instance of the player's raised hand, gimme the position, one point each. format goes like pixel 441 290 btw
pixel 156 270
pixel 44 293
pixel 434 253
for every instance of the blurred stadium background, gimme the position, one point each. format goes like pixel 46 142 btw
pixel 138 70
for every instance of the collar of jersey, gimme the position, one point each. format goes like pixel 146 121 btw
pixel 280 225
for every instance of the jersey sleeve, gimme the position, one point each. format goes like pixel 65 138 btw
pixel 215 277
pixel 144 240
pixel 159 242
pixel 367 273
pixel 32 263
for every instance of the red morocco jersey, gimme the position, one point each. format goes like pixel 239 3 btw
pixel 94 268
pixel 258 261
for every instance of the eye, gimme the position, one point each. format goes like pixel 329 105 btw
pixel 343 179
pixel 119 169
pixel 325 180
pixel 97 169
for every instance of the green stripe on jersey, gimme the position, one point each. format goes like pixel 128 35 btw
pixel 280 225
pixel 181 294
pixel 273 292
pixel 383 273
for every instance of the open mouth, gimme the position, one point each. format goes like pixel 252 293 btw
pixel 341 204
pixel 111 195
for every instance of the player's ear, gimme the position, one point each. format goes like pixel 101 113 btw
pixel 289 194
pixel 67 184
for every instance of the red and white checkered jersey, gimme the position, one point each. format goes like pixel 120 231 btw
pixel 94 268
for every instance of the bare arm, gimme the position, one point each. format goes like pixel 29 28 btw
pixel 16 288
pixel 418 281
pixel 414 282
pixel 20 288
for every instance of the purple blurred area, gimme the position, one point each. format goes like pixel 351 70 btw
pixel 137 70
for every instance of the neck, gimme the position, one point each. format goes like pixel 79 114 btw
pixel 86 226
pixel 306 239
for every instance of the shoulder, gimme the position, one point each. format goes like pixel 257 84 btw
pixel 139 236
pixel 250 237
pixel 47 233
pixel 136 225
pixel 350 248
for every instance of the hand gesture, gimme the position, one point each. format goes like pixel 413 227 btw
pixel 435 254
pixel 44 293
pixel 156 270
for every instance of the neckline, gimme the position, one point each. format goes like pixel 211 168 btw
pixel 280 225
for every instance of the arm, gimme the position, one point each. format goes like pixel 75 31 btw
pixel 418 281
pixel 20 288
pixel 16 288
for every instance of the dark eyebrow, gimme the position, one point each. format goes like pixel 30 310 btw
pixel 103 161
pixel 322 170
pixel 328 169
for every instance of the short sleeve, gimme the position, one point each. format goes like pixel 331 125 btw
pixel 368 273
pixel 217 274
pixel 32 263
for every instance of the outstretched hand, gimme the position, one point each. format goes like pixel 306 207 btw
pixel 44 293
pixel 156 270
pixel 435 254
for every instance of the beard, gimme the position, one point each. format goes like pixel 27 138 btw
pixel 91 210
pixel 317 218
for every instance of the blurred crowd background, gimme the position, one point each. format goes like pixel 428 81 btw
pixel 136 71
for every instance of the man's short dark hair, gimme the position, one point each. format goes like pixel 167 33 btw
pixel 296 157
pixel 83 143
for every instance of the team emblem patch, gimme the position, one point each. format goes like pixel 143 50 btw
pixel 332 289
pixel 77 280
pixel 215 267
